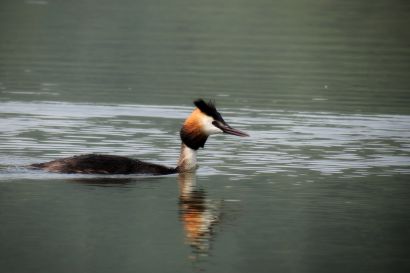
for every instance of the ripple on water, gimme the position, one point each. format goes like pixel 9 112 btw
pixel 295 143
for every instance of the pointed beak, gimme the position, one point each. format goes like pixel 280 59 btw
pixel 228 129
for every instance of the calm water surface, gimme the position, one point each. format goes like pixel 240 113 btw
pixel 320 186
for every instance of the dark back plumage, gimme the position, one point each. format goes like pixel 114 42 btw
pixel 103 164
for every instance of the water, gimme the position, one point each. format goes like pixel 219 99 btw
pixel 320 186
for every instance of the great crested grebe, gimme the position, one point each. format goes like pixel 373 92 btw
pixel 204 121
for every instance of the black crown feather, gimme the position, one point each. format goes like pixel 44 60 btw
pixel 208 109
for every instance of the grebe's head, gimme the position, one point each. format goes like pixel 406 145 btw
pixel 204 121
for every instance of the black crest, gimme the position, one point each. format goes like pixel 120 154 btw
pixel 208 109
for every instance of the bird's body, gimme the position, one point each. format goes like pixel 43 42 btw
pixel 103 164
pixel 204 121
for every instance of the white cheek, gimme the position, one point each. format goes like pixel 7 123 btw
pixel 208 128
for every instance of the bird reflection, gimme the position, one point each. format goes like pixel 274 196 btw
pixel 197 213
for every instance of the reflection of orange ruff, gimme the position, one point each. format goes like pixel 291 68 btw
pixel 193 223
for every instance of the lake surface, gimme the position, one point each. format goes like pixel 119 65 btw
pixel 322 184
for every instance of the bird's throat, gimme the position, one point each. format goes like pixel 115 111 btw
pixel 187 159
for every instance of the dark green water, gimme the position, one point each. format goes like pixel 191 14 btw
pixel 322 184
